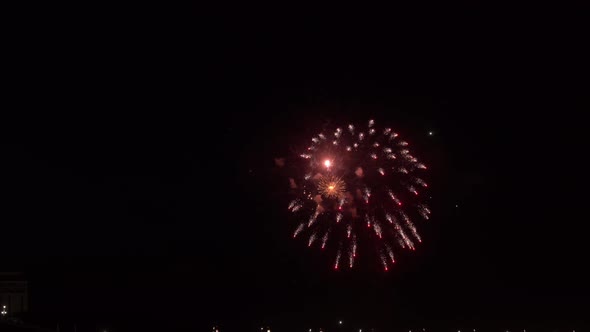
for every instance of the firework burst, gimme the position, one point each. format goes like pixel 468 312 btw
pixel 359 181
pixel 331 186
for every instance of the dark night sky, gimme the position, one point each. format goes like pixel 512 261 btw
pixel 137 169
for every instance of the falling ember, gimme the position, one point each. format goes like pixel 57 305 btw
pixel 298 230
pixel 371 131
pixel 377 229
pixel 327 163
pixel 337 260
pixel 338 217
pixel 424 214
pixel 348 230
pixel 424 211
pixel 384 262
pixel 312 219
pixel 311 239
pixel 401 243
pixel 411 226
pixel 397 201
pixel 390 253
pixel 421 182
pixel 389 218
pixel 367 194
pixel 404 236
pixel 324 240
pixel 295 205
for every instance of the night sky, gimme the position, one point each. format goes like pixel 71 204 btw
pixel 139 189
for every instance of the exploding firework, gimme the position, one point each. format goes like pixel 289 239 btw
pixel 359 181
pixel 331 186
